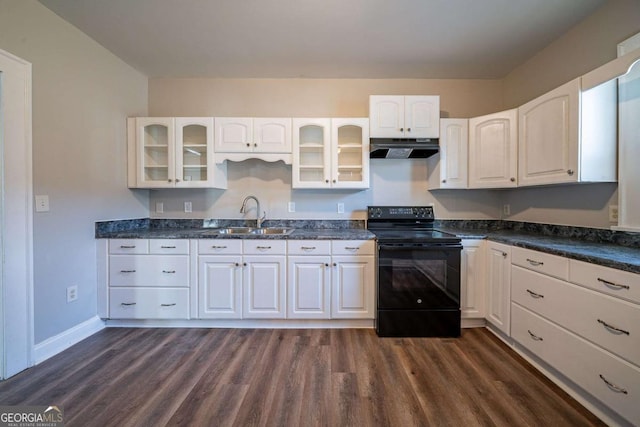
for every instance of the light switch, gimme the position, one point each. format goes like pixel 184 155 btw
pixel 42 203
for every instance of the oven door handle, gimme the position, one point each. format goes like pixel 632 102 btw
pixel 424 246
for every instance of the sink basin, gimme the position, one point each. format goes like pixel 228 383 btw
pixel 267 231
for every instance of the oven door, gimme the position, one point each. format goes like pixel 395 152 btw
pixel 418 276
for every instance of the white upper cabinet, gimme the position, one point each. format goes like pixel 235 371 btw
pixel 568 135
pixel 167 152
pixel 493 148
pixel 330 153
pixel 394 116
pixel 449 168
pixel 241 138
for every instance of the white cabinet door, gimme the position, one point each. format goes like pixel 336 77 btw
pixel 220 287
pixel 155 152
pixel 449 168
pixel 395 116
pixel 493 149
pixel 350 153
pixel 309 287
pixel 548 137
pixel 422 116
pixel 264 287
pixel 353 287
pixel 233 134
pixel 472 293
pixel 386 116
pixel 271 135
pixel 498 285
pixel 194 165
pixel 311 166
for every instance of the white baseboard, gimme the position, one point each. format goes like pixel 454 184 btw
pixel 56 344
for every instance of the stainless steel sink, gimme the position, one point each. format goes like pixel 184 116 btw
pixel 267 231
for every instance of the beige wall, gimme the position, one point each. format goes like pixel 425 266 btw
pixel 81 97
pixel 392 181
pixel 583 48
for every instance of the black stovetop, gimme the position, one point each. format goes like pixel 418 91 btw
pixel 406 224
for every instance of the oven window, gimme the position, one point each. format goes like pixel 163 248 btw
pixel 418 278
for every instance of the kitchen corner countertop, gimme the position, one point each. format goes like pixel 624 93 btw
pixel 605 254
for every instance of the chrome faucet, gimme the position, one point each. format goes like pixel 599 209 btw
pixel 244 208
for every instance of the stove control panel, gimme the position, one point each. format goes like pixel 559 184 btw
pixel 400 212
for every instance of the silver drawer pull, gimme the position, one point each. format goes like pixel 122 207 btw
pixel 534 336
pixel 307 248
pixel 534 262
pixel 535 295
pixel 612 328
pixel 351 248
pixel 127 246
pixel 218 247
pixel 612 386
pixel 262 248
pixel 127 303
pixel 613 285
pixel 127 271
pixel 167 247
pixel 169 271
pixel 168 305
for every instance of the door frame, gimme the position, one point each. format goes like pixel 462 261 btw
pixel 16 216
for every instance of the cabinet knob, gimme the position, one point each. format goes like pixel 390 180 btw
pixel 504 254
pixel 326 264
pixel 444 181
pixel 326 180
pixel 177 180
pixel 570 172
pixel 334 264
pixel 408 129
pixel 401 129
pixel 248 145
pixel 512 179
pixel 237 264
pixel 169 180
pixel 334 181
pixel 244 264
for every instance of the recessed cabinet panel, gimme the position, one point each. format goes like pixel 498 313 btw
pixel 233 134
pixel 493 150
pixel 309 287
pixel 422 115
pixel 272 135
pixel 449 167
pixel 498 284
pixel 220 287
pixel 353 289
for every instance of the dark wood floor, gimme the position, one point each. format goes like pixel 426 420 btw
pixel 339 377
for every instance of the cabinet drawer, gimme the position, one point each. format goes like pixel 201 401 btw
pixel 149 303
pixel 552 265
pixel 264 246
pixel 608 280
pixel 582 362
pixel 309 247
pixel 149 270
pixel 220 246
pixel 169 246
pixel 353 247
pixel 128 246
pixel 606 321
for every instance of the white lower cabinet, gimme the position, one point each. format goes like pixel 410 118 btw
pixel 472 284
pixel 220 287
pixel 608 378
pixel 498 277
pixel 309 287
pixel 149 303
pixel 264 287
pixel 353 287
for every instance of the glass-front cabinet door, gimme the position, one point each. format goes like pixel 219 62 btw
pixel 194 152
pixel 155 151
pixel 311 153
pixel 350 157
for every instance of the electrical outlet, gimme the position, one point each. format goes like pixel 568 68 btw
pixel 188 208
pixel 72 293
pixel 42 203
pixel 613 213
pixel 340 208
pixel 506 210
pixel 292 206
pixel 159 207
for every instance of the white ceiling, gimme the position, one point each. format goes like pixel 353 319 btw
pixel 324 38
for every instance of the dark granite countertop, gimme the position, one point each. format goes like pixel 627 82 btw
pixel 193 229
pixel 575 247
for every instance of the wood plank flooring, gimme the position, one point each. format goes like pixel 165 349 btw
pixel 262 377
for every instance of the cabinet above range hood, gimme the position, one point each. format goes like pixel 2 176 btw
pixel 402 148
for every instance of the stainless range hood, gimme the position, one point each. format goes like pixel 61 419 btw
pixel 400 148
